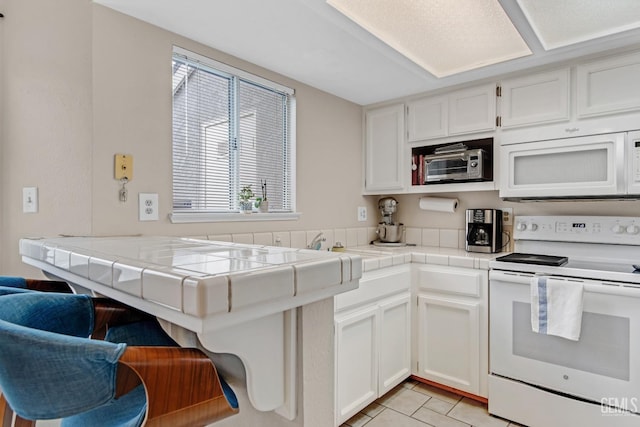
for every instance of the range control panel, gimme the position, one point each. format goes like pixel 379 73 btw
pixel 586 229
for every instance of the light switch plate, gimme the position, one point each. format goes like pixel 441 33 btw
pixel 30 199
pixel 148 206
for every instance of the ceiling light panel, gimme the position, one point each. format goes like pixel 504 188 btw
pixel 444 37
pixel 567 22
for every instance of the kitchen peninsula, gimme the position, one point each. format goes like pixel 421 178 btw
pixel 229 298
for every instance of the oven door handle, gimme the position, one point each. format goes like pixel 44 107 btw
pixel 593 286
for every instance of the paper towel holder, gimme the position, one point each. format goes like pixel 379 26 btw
pixel 438 204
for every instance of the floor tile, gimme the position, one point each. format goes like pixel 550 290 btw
pixel 475 413
pixel 436 420
pixel 444 395
pixel 405 401
pixel 438 405
pixel 414 404
pixel 409 383
pixel 391 418
pixel 373 409
pixel 358 420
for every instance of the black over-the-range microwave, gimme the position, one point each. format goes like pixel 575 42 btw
pixel 453 163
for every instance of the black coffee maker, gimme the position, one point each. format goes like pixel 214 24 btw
pixel 484 230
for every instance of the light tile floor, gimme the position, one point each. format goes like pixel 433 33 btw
pixel 413 404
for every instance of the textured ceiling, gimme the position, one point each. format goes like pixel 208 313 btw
pixel 310 41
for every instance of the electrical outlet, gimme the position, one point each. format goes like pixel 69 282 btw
pixel 507 216
pixel 362 213
pixel 30 199
pixel 148 206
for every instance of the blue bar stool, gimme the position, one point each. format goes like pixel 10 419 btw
pixel 49 369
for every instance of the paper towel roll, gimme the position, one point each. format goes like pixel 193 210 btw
pixel 438 204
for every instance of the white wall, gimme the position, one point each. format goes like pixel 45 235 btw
pixel 47 121
pixel 2 127
pixel 83 82
pixel 411 215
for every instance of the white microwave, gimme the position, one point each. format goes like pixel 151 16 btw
pixel 595 166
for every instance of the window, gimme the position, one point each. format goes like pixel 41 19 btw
pixel 230 129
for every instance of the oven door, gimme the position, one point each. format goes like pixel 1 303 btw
pixel 602 364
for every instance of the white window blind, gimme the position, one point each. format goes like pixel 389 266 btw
pixel 230 129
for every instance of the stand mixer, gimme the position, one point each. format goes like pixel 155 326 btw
pixel 388 230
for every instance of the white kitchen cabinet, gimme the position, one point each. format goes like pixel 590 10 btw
pixel 384 149
pixel 608 86
pixel 356 361
pixel 452 327
pixel 464 111
pixel 535 99
pixel 427 118
pixel 395 342
pixel 449 347
pixel 372 339
pixel 472 110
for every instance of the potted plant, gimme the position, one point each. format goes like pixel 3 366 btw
pixel 244 196
pixel 262 203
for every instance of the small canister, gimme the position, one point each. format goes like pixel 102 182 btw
pixel 338 247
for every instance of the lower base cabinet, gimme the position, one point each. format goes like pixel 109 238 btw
pixel 448 342
pixel 395 343
pixel 451 327
pixel 373 341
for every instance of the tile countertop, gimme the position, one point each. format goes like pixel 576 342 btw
pixel 197 278
pixel 376 257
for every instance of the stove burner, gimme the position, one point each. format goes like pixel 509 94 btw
pixel 555 261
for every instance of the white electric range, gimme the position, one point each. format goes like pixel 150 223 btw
pixel 545 380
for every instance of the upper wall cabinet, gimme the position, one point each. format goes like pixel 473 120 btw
pixel 427 118
pixel 472 110
pixel 609 86
pixel 384 145
pixel 460 112
pixel 535 99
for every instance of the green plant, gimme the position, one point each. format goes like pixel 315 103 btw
pixel 264 189
pixel 262 201
pixel 245 193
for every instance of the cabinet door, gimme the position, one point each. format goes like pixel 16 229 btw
pixel 356 362
pixel 449 342
pixel 535 99
pixel 395 343
pixel 472 110
pixel 427 118
pixel 609 86
pixel 384 148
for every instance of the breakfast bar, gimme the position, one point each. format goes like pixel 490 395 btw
pixel 223 297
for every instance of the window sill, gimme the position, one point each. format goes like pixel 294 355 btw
pixel 183 218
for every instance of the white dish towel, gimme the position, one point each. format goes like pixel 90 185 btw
pixel 556 307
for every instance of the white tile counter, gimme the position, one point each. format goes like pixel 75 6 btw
pixel 235 298
pixel 197 279
pixel 375 257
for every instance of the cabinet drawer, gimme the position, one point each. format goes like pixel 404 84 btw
pixel 449 280
pixel 375 285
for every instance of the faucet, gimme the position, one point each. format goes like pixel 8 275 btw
pixel 316 243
